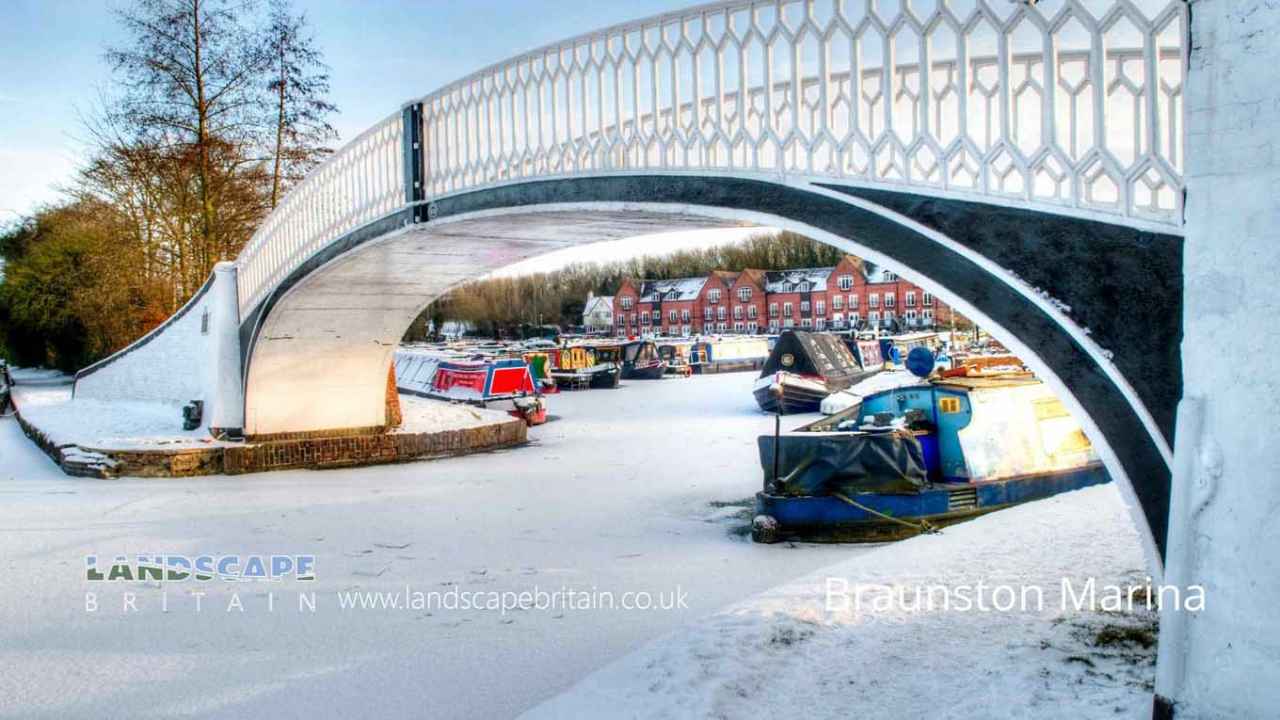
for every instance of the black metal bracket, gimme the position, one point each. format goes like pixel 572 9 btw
pixel 415 190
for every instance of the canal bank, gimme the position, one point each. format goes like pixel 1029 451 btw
pixel 90 438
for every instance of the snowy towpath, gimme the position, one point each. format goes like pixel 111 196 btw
pixel 816 647
pixel 626 491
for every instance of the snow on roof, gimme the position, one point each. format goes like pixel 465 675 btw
pixel 802 280
pixel 592 302
pixel 666 290
pixel 876 274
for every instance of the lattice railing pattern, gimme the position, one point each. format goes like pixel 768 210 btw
pixel 1066 102
pixel 359 183
pixel 1061 104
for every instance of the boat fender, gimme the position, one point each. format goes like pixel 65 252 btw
pixel 764 529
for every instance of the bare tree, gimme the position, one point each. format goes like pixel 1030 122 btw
pixel 191 76
pixel 299 86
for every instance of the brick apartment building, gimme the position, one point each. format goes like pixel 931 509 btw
pixel 852 295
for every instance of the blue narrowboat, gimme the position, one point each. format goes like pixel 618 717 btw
pixel 912 459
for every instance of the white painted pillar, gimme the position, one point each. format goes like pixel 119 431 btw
pixel 226 389
pixel 1224 661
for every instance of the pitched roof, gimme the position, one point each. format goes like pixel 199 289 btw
pixel 877 274
pixel 605 300
pixel 752 275
pixel 728 277
pixel 802 280
pixel 666 290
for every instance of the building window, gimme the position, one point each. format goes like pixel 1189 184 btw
pixel 806 322
pixel 671 316
pixel 890 300
pixel 684 316
pixel 888 316
pixel 854 318
pixel 773 327
pixel 752 327
pixel 911 317
pixel 788 323
pixel 707 313
pixel 873 300
pixel 644 317
pixel 820 307
pixel 744 294
pixel 751 311
pixel 928 317
pixel 802 287
pixel 911 299
pixel 853 302
pixel 722 327
pixel 773 312
pixel 837 302
pixel 685 330
pixel 890 277
pixel 804 307
pixel 626 302
pixel 720 313
pixel 737 327
pixel 786 309
pixel 845 282
pixel 927 299
pixel 713 296
pixel 633 318
pixel 873 317
pixel 737 312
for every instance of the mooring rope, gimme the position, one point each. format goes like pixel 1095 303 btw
pixel 924 527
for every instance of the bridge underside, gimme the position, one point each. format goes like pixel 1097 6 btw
pixel 319 348
pixel 319 362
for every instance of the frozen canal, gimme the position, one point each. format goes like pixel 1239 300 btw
pixel 626 490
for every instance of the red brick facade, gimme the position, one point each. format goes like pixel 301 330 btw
pixel 849 295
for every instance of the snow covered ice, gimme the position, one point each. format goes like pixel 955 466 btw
pixel 643 488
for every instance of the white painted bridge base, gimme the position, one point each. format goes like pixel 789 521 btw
pixel 321 357
pixel 195 355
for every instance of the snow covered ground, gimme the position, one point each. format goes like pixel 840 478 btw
pixel 634 489
pixel 820 644
pixel 639 489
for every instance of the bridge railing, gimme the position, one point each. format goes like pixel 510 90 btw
pixel 1070 103
pixel 1066 104
pixel 361 182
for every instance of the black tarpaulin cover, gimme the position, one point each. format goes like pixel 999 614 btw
pixel 823 463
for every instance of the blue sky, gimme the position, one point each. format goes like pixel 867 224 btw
pixel 382 53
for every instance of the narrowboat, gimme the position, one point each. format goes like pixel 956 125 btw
pixel 539 363
pixel 803 369
pixel 579 367
pixel 913 459
pixel 642 361
pixel 734 353
pixel 477 382
pixel 676 354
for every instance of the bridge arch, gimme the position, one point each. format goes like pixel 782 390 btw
pixel 319 347
pixel 1024 161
